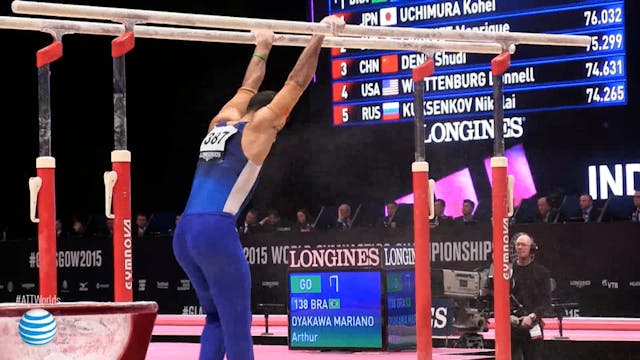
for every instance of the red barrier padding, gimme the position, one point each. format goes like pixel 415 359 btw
pixel 48 271
pixel 122 44
pixel 500 63
pixel 49 54
pixel 423 71
pixel 500 263
pixel 422 263
pixel 122 234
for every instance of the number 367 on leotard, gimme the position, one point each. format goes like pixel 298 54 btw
pixel 214 144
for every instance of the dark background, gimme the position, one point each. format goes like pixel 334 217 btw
pixel 174 88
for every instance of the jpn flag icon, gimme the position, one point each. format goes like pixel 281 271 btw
pixel 389 87
pixel 388 16
pixel 391 111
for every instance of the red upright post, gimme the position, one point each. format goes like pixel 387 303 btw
pixel 501 266
pixel 121 166
pixel 47 271
pixel 422 259
pixel 43 187
pixel 499 204
pixel 122 229
pixel 420 169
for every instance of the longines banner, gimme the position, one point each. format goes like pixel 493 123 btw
pixel 593 264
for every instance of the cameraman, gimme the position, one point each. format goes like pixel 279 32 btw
pixel 531 295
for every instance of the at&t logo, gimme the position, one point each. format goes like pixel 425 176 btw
pixel 37 327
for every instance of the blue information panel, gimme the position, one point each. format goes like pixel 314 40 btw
pixel 376 86
pixel 336 310
pixel 401 305
pixel 401 311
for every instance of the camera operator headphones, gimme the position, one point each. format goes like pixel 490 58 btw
pixel 533 249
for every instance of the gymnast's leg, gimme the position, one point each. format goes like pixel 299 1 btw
pixel 211 340
pixel 227 273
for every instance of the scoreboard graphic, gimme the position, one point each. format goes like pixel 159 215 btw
pixel 371 86
pixel 336 310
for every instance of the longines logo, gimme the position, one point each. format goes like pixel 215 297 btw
pixel 580 283
pixel 82 286
pixel 471 130
pixel 399 256
pixel 357 257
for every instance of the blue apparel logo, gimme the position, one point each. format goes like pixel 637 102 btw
pixel 37 327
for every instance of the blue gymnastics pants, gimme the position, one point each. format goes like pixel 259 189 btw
pixel 209 250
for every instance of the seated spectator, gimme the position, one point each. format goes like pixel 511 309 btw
pixel 588 212
pixel 109 224
pixel 389 221
pixel 140 226
pixel 250 225
pixel 343 222
pixel 635 216
pixel 104 229
pixel 467 213
pixel 555 198
pixel 77 229
pixel 273 222
pixel 60 232
pixel 302 221
pixel 439 205
pixel 547 214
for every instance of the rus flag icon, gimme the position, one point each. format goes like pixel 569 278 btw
pixel 391 111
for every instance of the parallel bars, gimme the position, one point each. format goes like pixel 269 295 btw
pixel 184 34
pixel 229 22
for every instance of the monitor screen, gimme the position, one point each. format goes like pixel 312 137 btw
pixel 560 103
pixel 461 284
pixel 338 310
pixel 401 304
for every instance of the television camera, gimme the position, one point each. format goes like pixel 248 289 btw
pixel 472 295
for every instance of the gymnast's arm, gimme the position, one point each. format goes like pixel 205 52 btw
pixel 269 120
pixel 236 108
pixel 298 79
